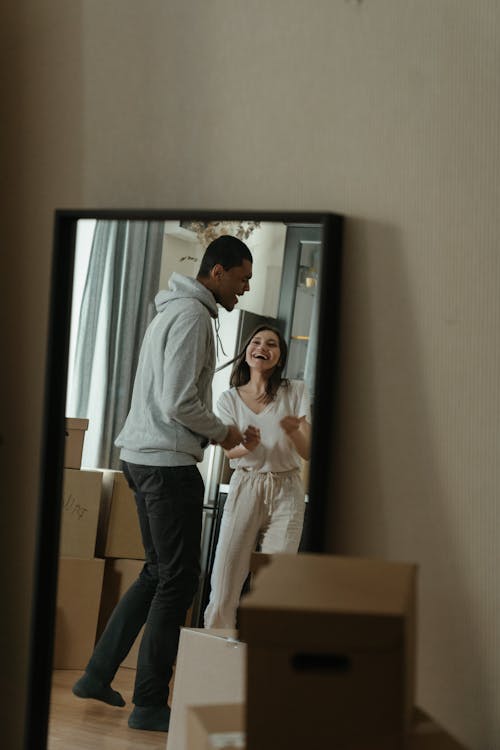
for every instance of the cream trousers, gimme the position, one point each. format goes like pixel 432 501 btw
pixel 261 508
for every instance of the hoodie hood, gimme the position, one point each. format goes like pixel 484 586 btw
pixel 171 421
pixel 182 287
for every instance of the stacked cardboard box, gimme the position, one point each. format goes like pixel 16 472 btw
pixel 119 542
pixel 78 600
pixel 118 534
pixel 80 512
pixel 75 430
pixel 80 572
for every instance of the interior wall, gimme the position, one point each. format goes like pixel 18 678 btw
pixel 384 111
pixel 41 140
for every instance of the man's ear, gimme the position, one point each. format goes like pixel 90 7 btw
pixel 217 271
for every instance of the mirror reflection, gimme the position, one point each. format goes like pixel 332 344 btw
pixel 119 269
pixel 261 381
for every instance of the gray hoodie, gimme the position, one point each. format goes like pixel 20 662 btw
pixel 170 421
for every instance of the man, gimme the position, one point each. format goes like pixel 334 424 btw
pixel 169 424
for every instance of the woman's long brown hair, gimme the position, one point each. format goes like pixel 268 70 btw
pixel 240 374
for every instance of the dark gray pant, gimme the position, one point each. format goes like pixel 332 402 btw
pixel 169 504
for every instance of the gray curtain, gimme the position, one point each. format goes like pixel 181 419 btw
pixel 117 306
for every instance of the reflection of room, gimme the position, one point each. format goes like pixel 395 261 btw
pixel 118 270
pixel 119 267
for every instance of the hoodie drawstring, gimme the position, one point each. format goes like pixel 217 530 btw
pixel 218 339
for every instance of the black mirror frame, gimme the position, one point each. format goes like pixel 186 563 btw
pixel 43 613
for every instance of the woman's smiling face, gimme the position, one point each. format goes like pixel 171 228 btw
pixel 263 351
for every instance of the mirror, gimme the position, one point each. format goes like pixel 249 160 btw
pixel 108 267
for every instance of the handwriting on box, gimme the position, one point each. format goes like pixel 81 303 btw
pixel 73 507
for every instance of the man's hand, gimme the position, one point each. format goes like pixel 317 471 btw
pixel 233 438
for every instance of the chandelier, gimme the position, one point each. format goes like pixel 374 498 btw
pixel 207 231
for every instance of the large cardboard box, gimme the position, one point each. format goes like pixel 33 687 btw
pixel 215 727
pixel 80 512
pixel 331 650
pixel 119 575
pixel 77 607
pixel 119 534
pixel 73 444
pixel 210 669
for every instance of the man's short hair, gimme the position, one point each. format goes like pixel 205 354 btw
pixel 227 250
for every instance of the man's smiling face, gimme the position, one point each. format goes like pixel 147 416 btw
pixel 232 283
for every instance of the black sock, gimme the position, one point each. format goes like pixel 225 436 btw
pixel 89 687
pixel 154 718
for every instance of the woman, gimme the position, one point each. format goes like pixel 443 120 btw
pixel 265 502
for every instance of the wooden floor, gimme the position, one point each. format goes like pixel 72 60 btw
pixel 77 724
pixel 91 725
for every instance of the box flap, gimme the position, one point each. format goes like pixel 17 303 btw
pixel 72 423
pixel 426 734
pixel 220 726
pixel 320 599
pixel 332 583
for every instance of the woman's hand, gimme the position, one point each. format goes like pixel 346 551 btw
pixel 298 430
pixel 291 424
pixel 251 438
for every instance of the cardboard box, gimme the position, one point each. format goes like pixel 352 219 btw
pixel 215 727
pixel 331 639
pixel 210 669
pixel 223 726
pixel 119 534
pixel 426 734
pixel 257 561
pixel 77 609
pixel 119 575
pixel 73 444
pixel 80 512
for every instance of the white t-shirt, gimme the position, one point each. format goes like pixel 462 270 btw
pixel 275 452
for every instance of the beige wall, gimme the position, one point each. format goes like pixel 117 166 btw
pixel 386 111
